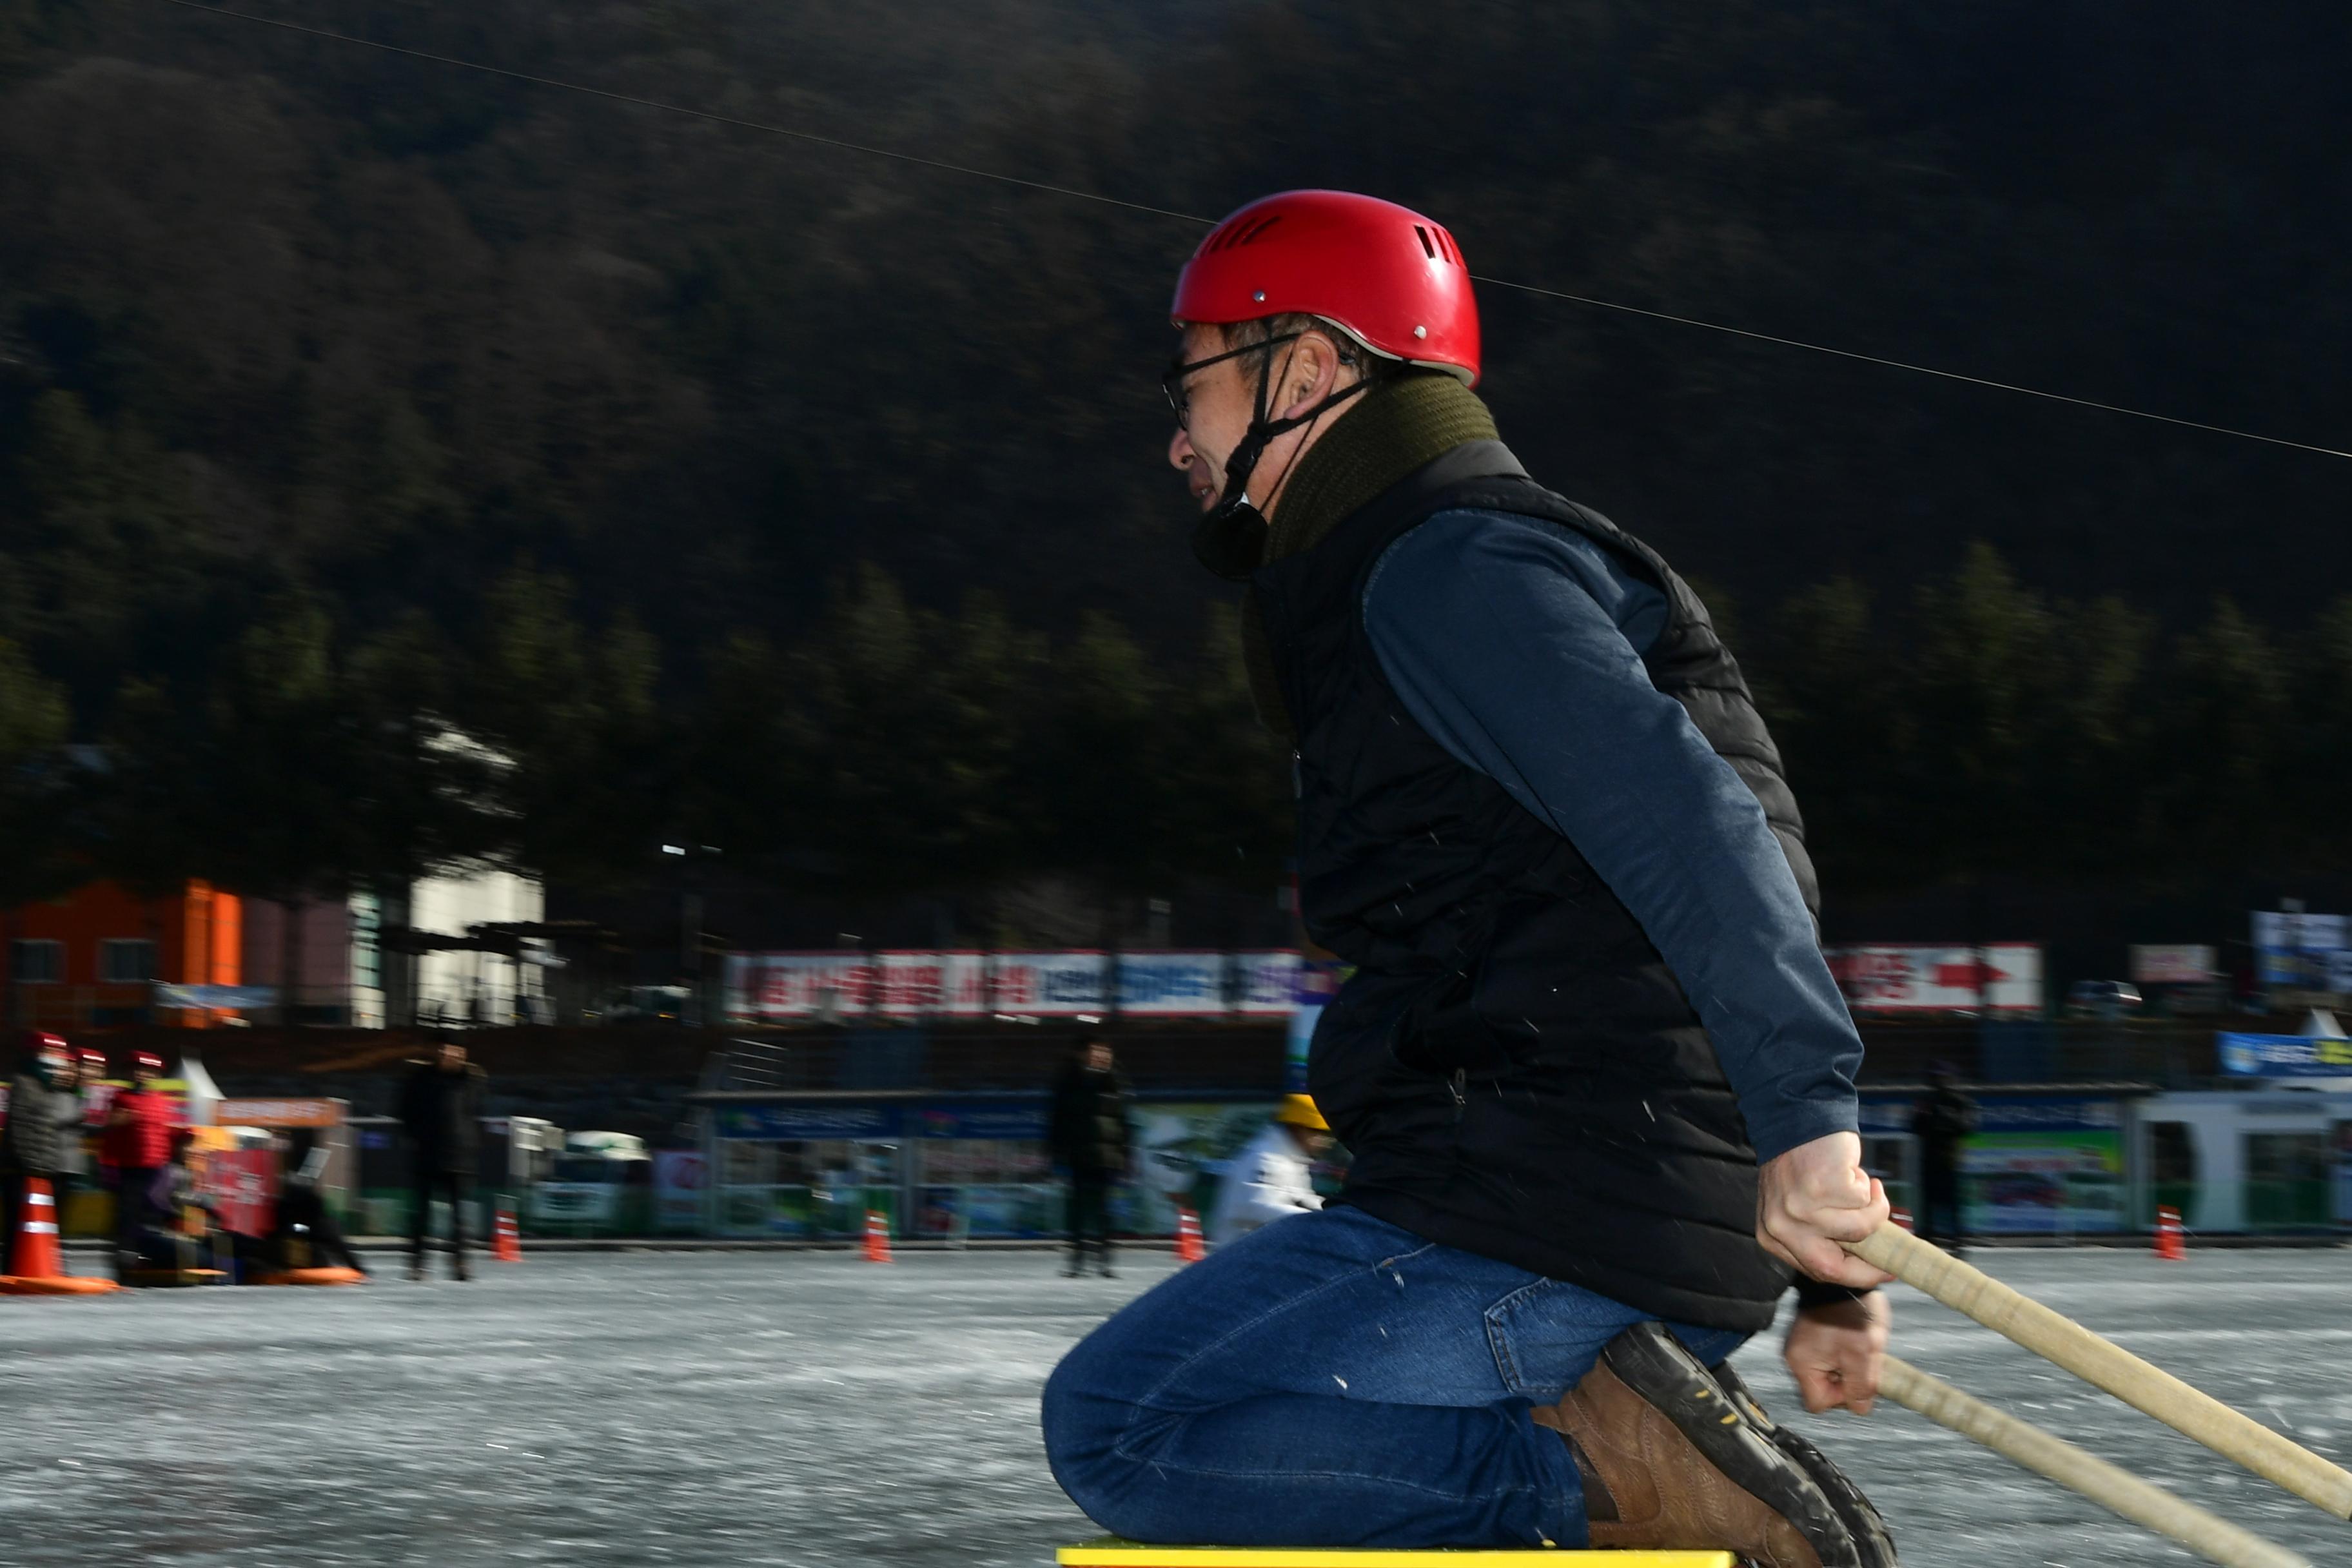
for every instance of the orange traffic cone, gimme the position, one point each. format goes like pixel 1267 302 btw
pixel 2171 1239
pixel 877 1236
pixel 36 1267
pixel 506 1243
pixel 1903 1218
pixel 1188 1246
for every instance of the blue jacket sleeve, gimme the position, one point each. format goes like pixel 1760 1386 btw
pixel 1516 645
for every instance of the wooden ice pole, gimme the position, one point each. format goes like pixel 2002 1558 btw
pixel 2069 1344
pixel 2214 1538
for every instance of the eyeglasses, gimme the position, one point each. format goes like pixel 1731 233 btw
pixel 1172 380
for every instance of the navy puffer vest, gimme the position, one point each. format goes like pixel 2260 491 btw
pixel 1513 1068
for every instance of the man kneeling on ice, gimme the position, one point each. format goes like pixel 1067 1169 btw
pixel 1596 1081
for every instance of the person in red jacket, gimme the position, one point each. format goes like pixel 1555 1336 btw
pixel 137 1143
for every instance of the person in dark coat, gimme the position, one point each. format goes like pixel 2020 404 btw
pixel 1942 1121
pixel 44 1123
pixel 441 1109
pixel 1091 1139
pixel 305 1224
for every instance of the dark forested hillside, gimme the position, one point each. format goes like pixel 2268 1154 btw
pixel 298 334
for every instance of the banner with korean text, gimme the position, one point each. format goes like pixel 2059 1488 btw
pixel 783 987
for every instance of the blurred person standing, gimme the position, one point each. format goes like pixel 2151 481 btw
pixel 1942 1121
pixel 43 1128
pixel 135 1146
pixel 1091 1141
pixel 1273 1175
pixel 441 1109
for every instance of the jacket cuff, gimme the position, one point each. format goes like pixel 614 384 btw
pixel 1788 1125
pixel 1812 1292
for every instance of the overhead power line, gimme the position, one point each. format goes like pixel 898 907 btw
pixel 842 144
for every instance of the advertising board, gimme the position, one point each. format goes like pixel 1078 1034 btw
pixel 2284 1056
pixel 2298 951
pixel 808 1123
pixel 2036 1165
pixel 776 987
pixel 681 1187
pixel 1913 978
pixel 278 1113
pixel 2173 964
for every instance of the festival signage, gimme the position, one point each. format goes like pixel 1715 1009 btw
pixel 798 985
pixel 240 1185
pixel 2173 964
pixel 2284 1055
pixel 807 1123
pixel 2298 951
pixel 278 1113
pixel 681 1184
pixel 1910 977
pixel 1023 1121
pixel 925 985
pixel 2037 1163
pixel 1171 985
pixel 1049 985
pixel 1268 983
pixel 775 987
pixel 216 998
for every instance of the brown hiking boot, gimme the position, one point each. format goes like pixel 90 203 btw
pixel 1669 1461
pixel 1855 1511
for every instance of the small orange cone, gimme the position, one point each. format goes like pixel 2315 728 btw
pixel 1188 1246
pixel 877 1236
pixel 2171 1239
pixel 36 1266
pixel 1903 1218
pixel 506 1243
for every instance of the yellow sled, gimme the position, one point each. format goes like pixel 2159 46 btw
pixel 1127 1555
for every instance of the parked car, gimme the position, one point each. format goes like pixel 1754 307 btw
pixel 2102 999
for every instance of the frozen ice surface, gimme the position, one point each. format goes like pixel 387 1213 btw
pixel 814 1410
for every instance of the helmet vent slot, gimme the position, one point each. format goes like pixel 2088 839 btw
pixel 1426 247
pixel 1239 235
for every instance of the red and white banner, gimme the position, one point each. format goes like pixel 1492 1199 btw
pixel 1908 977
pixel 776 986
pixel 922 984
pixel 798 985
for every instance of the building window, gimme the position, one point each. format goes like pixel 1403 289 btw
pixel 126 961
pixel 38 961
pixel 367 951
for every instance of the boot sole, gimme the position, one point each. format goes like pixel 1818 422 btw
pixel 1650 1362
pixel 1857 1512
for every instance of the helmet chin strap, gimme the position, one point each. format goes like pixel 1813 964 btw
pixel 1231 540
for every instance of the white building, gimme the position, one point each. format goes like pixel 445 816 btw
pixel 421 955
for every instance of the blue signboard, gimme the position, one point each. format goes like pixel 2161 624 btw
pixel 2284 1055
pixel 1026 1122
pixel 2005 1113
pixel 808 1123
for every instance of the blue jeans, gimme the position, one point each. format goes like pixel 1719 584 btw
pixel 1332 1380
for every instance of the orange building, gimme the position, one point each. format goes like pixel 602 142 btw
pixel 91 959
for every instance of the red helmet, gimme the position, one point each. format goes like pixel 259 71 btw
pixel 1393 278
pixel 149 1061
pixel 41 1043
